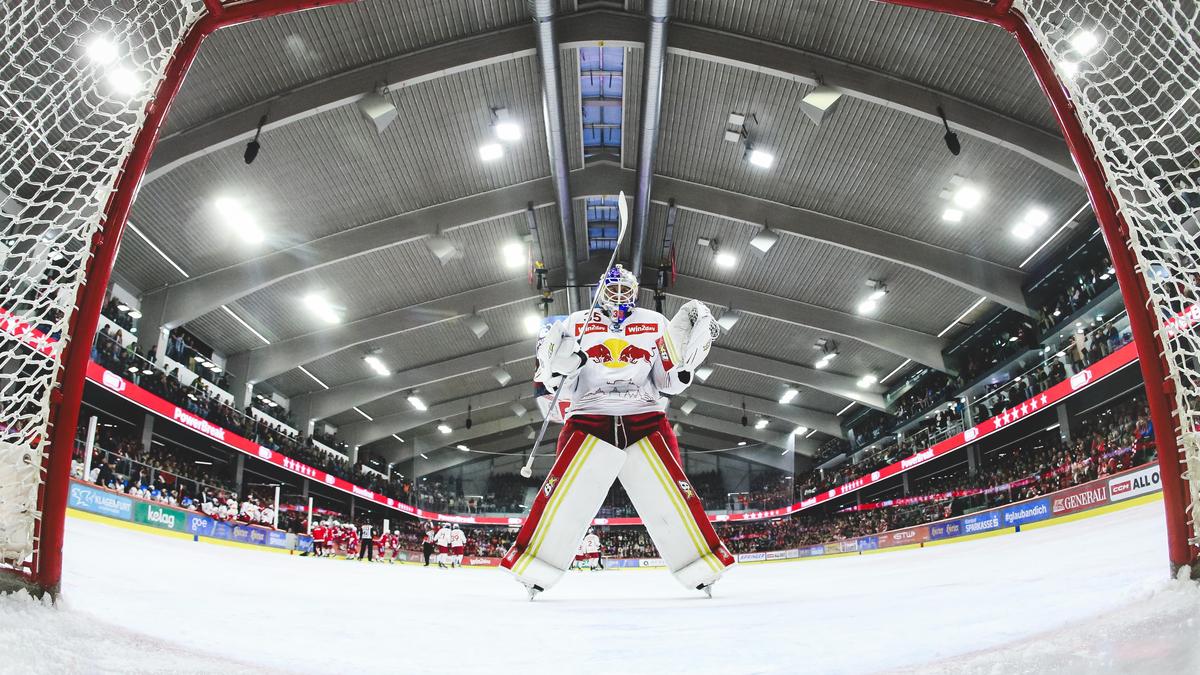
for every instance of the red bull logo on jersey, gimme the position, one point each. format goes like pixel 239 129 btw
pixel 617 353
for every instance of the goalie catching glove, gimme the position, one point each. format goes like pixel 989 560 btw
pixel 692 331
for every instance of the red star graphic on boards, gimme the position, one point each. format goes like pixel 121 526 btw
pixel 1043 399
pixel 1024 409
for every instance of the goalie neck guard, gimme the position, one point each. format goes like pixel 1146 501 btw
pixel 618 293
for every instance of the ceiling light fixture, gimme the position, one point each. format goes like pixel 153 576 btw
pixel 398 438
pixel 503 126
pixel 729 319
pixel 501 375
pixel 443 249
pixel 462 447
pixel 764 239
pixel 967 197
pixel 761 424
pixel 819 102
pixel 688 406
pixel 515 255
pixel 490 152
pixel 800 430
pixel 1084 42
pixel 237 219
pixel 416 402
pixel 952 215
pixel 102 50
pixel 760 158
pixel 477 325
pixel 789 395
pixel 704 372
pixel 377 109
pixel 866 381
pixel 376 365
pixel 1033 219
pixel 533 324
pixel 318 305
pixel 444 428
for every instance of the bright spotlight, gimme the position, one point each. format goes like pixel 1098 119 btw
pixel 490 152
pixel 968 197
pixel 102 51
pixel 514 254
pixel 725 259
pixel 124 81
pixel 761 159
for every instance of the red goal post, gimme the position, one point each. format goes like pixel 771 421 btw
pixel 74 153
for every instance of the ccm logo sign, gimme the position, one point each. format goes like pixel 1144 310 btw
pixel 1135 484
pixel 1080 380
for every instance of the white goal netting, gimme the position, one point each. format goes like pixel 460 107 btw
pixel 75 79
pixel 1132 70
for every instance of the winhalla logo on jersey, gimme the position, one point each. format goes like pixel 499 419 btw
pixel 686 488
pixel 549 486
pixel 1081 379
pixel 113 381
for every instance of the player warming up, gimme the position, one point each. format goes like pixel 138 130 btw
pixel 591 550
pixel 615 362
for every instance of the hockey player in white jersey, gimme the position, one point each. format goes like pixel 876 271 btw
pixel 458 543
pixel 591 550
pixel 615 364
pixel 442 539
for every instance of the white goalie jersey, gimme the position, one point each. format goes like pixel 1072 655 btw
pixel 624 369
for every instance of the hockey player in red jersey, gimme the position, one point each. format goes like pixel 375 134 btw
pixel 615 364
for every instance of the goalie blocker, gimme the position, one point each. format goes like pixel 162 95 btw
pixel 590 458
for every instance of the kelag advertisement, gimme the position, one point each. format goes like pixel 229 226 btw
pixel 102 502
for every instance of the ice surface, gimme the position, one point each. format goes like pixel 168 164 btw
pixel 1089 596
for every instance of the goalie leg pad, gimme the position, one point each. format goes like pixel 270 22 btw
pixel 564 507
pixel 673 513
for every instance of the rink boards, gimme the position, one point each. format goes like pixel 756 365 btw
pixel 1127 488
pixel 1135 486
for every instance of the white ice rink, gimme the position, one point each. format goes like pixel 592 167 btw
pixel 1081 597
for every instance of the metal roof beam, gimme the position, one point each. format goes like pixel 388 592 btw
pixel 265 362
pixel 324 403
pixel 653 65
pixel 824 422
pixel 556 134
pixel 911 344
pixel 822 380
pixel 616 28
pixel 362 433
pixel 199 295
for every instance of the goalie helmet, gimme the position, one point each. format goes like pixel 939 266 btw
pixel 618 293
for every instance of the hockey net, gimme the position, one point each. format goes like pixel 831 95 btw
pixel 1132 71
pixel 76 77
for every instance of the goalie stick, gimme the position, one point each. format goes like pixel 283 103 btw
pixel 623 213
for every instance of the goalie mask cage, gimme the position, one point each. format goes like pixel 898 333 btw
pixel 80 118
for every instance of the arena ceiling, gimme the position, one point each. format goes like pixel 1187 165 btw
pixel 350 212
